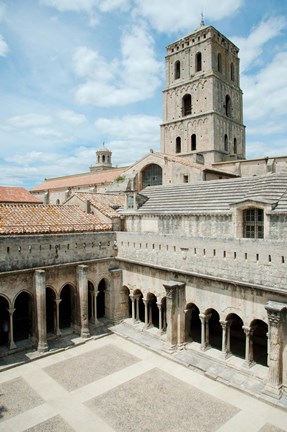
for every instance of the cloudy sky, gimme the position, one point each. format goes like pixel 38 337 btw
pixel 77 73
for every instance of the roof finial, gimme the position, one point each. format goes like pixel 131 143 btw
pixel 202 20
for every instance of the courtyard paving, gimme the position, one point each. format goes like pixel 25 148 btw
pixel 111 384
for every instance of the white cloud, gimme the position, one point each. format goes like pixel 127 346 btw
pixel 251 47
pixel 130 137
pixel 266 91
pixel 71 5
pixel 28 120
pixel 170 16
pixel 133 78
pixel 71 117
pixel 51 134
pixel 3 47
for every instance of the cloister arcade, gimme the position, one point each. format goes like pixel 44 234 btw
pixel 228 335
pixel 148 309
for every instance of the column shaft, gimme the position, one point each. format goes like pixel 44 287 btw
pixel 82 279
pixel 40 288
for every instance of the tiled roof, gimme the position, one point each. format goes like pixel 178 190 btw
pixel 104 176
pixel 37 219
pixel 216 196
pixel 105 203
pixel 16 195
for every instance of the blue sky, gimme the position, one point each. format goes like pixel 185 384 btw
pixel 77 73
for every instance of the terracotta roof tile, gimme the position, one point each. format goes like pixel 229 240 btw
pixel 105 176
pixel 29 218
pixel 16 195
pixel 105 203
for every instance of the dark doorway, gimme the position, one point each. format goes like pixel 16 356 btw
pixel 153 309
pixel 237 336
pixel 4 321
pixel 90 300
pixel 22 317
pixel 50 310
pixel 215 330
pixel 101 299
pixel 259 337
pixel 65 308
pixel 193 323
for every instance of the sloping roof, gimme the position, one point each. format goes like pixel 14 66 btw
pixel 105 203
pixel 10 194
pixel 37 219
pixel 216 196
pixel 105 176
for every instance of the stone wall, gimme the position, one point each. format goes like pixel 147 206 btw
pixel 247 261
pixel 30 251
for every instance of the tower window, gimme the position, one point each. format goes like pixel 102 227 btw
pixel 177 70
pixel 253 223
pixel 103 158
pixel 186 105
pixel 219 62
pixel 225 143
pixel 198 62
pixel 193 142
pixel 232 72
pixel 178 145
pixel 227 106
pixel 235 146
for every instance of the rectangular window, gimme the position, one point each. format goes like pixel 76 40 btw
pixel 253 223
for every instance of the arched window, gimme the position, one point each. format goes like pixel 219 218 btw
pixel 151 176
pixel 186 105
pixel 225 143
pixel 104 158
pixel 193 142
pixel 57 202
pixel 232 72
pixel 219 62
pixel 178 145
pixel 253 223
pixel 177 69
pixel 235 146
pixel 227 106
pixel 198 62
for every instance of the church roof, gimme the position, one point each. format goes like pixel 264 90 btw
pixel 16 195
pixel 85 179
pixel 39 219
pixel 105 203
pixel 216 196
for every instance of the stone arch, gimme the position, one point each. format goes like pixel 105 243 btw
pixel 153 313
pixel 236 335
pixel 23 316
pixel 192 323
pixel 91 300
pixel 259 341
pixel 151 175
pixel 67 306
pixel 101 298
pixel 140 308
pixel 4 320
pixel 51 314
pixel 215 329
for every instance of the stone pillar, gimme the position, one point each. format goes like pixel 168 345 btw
pixel 40 288
pixel 207 318
pixel 150 313
pixel 11 343
pixel 248 346
pixel 82 280
pixel 96 321
pixel 146 303
pixel 274 379
pixel 58 331
pixel 133 308
pixel 224 325
pixel 175 302
pixel 115 308
pixel 159 317
pixel 203 345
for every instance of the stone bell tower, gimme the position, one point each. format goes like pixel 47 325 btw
pixel 202 100
pixel 103 159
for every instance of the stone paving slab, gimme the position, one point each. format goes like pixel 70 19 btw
pixel 169 405
pixel 270 428
pixel 55 424
pixel 16 396
pixel 86 368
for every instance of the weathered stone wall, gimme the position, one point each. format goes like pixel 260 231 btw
pixel 29 251
pixel 248 261
pixel 189 225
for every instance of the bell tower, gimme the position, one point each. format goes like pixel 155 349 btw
pixel 202 100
